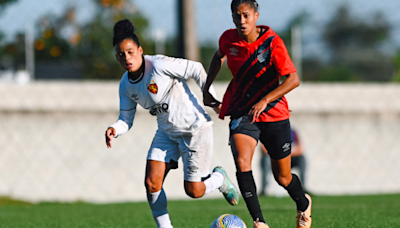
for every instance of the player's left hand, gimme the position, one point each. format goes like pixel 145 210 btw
pixel 257 109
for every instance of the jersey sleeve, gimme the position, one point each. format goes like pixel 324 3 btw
pixel 222 43
pixel 185 69
pixel 173 67
pixel 281 58
pixel 196 71
pixel 126 113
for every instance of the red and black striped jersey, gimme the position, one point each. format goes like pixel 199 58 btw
pixel 256 70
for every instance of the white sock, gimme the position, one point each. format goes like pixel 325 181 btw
pixel 215 181
pixel 158 205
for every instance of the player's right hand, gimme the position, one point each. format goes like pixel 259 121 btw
pixel 110 133
pixel 217 109
pixel 209 100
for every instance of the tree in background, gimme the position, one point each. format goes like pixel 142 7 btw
pixel 50 43
pixel 13 54
pixel 67 49
pixel 354 46
pixel 95 49
pixel 396 75
pixel 5 60
pixel 5 3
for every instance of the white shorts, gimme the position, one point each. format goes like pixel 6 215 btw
pixel 196 151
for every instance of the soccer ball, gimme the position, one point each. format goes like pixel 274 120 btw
pixel 228 221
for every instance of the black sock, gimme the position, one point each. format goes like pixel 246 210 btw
pixel 249 192
pixel 297 193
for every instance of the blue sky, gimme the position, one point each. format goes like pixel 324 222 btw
pixel 212 16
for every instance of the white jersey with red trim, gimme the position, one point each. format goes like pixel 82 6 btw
pixel 162 90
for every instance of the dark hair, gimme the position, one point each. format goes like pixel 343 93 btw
pixel 124 29
pixel 236 3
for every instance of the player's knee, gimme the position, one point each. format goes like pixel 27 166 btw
pixel 243 164
pixel 151 185
pixel 193 191
pixel 283 180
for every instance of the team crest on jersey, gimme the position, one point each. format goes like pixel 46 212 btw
pixel 153 88
pixel 262 55
pixel 234 51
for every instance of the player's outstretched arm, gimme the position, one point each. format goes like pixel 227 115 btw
pixel 215 65
pixel 110 133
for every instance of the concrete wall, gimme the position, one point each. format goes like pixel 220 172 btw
pixel 52 142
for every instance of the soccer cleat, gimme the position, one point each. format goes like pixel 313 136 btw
pixel 229 190
pixel 304 218
pixel 258 224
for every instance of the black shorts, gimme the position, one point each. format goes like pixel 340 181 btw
pixel 275 136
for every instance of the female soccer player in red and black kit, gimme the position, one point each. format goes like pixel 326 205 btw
pixel 255 102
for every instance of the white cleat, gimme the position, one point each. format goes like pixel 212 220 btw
pixel 304 218
pixel 258 224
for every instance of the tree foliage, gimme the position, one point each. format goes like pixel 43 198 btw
pixel 3 48
pixel 353 44
pixel 95 48
pixel 396 75
pixel 5 3
pixel 345 30
pixel 60 41
pixel 354 47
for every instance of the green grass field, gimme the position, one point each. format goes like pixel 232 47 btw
pixel 378 211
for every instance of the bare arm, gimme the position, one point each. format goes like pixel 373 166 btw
pixel 215 65
pixel 291 82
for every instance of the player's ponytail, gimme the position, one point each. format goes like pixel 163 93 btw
pixel 236 3
pixel 124 29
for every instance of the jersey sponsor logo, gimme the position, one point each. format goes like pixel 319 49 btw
pixel 153 88
pixel 234 51
pixel 134 97
pixel 286 147
pixel 159 109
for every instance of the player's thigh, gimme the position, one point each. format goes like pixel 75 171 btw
pixel 197 152
pixel 243 147
pixel 155 174
pixel 243 140
pixel 277 139
pixel 156 171
pixel 164 149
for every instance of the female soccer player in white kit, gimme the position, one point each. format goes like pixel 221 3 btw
pixel 157 83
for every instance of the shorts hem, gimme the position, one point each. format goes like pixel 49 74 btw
pixel 243 133
pixel 280 157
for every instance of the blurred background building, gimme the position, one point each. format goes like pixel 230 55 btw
pixel 59 92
